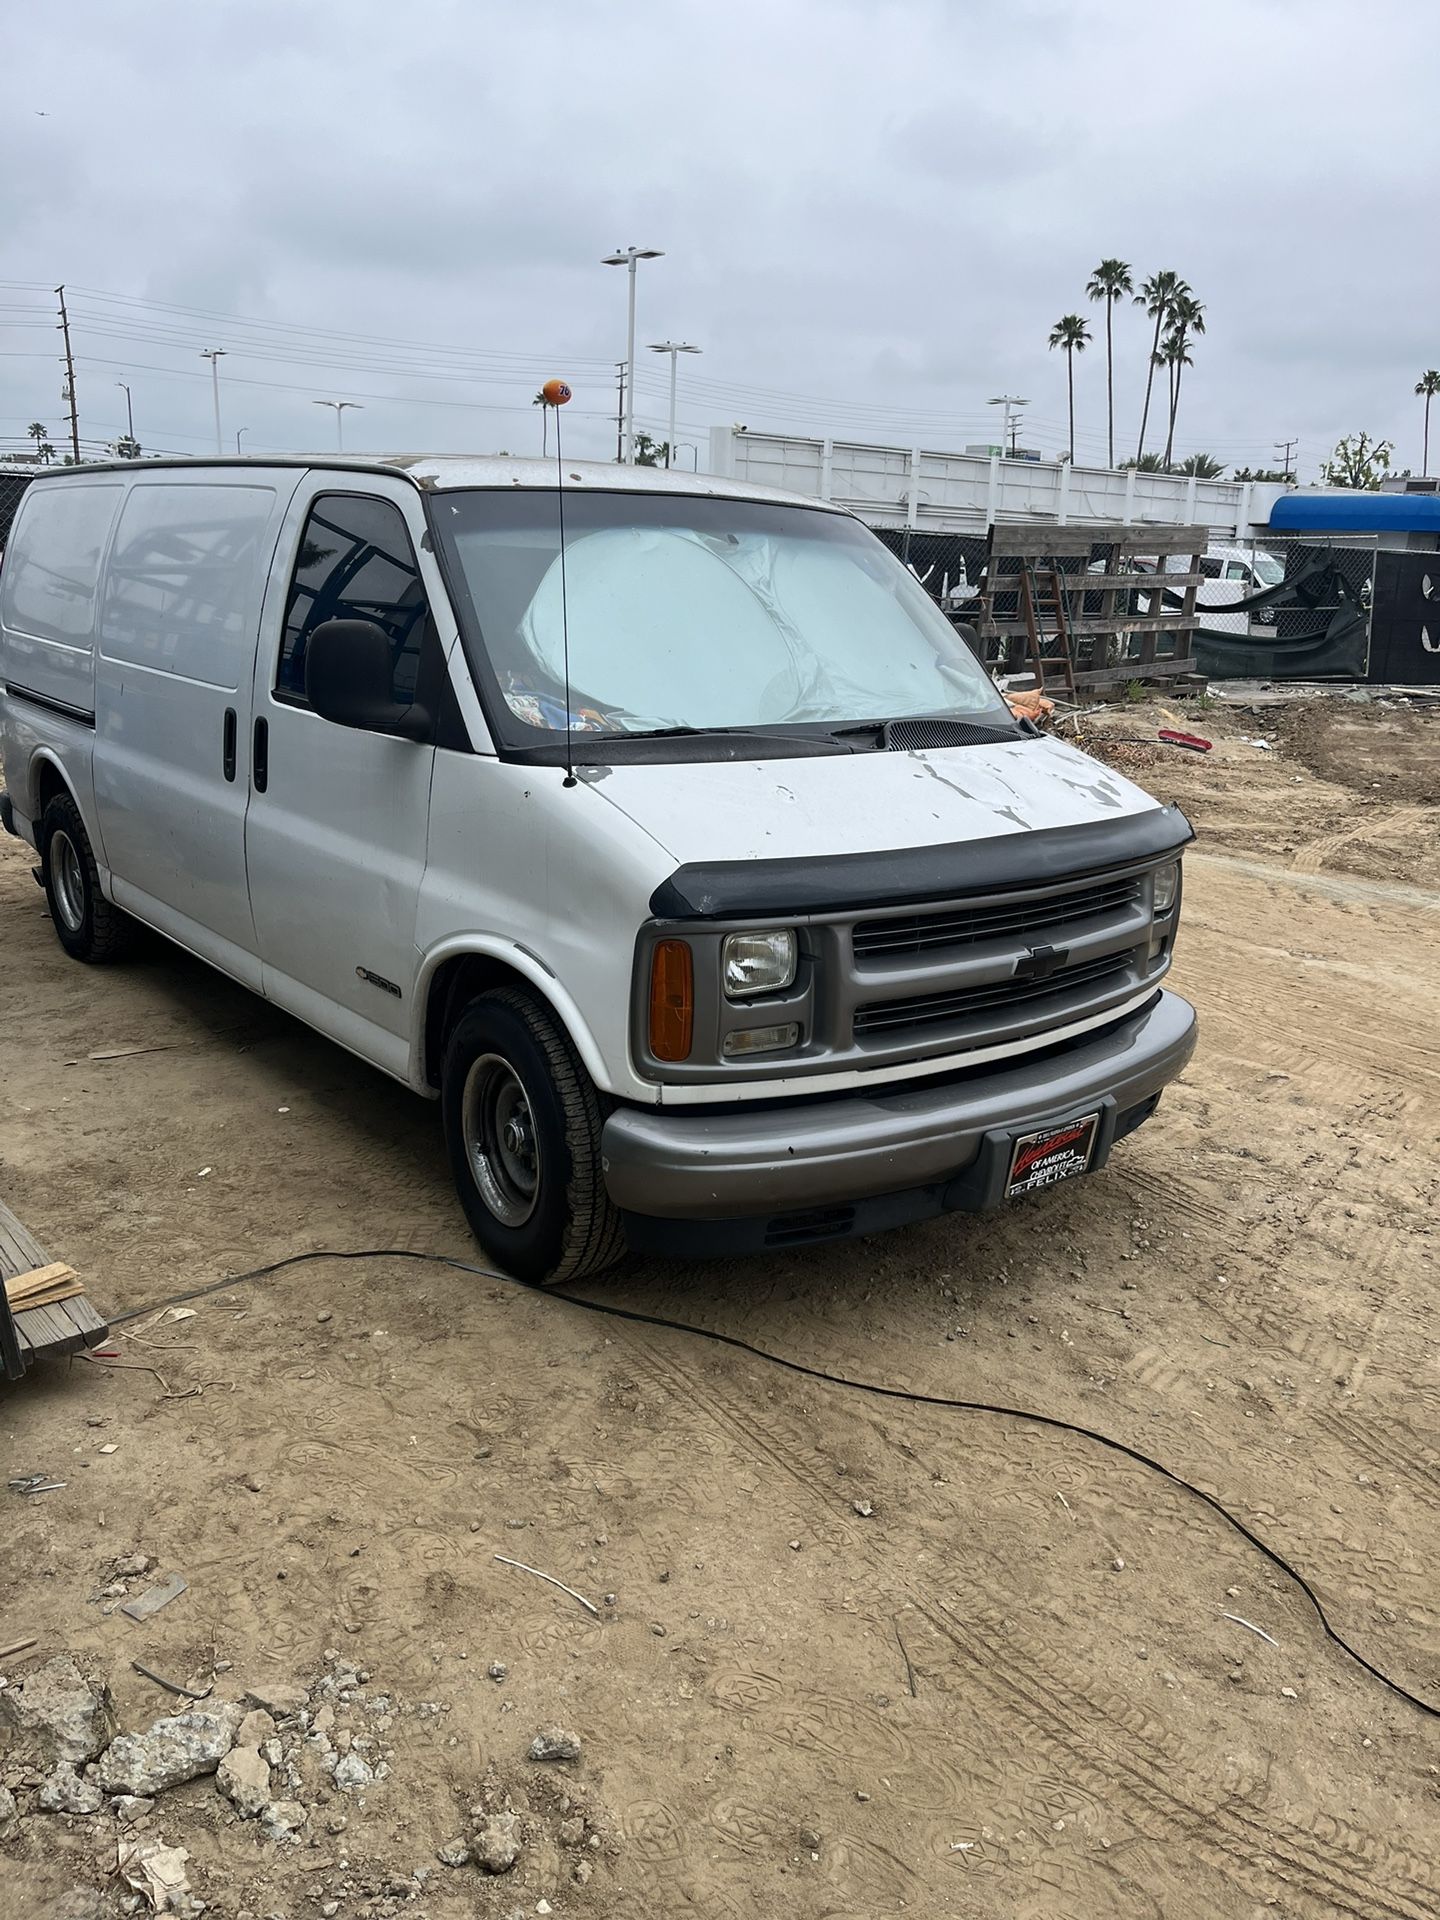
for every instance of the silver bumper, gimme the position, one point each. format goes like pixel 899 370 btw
pixel 688 1164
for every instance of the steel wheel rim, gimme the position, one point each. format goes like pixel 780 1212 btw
pixel 67 881
pixel 502 1149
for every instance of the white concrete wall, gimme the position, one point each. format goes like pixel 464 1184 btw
pixel 960 492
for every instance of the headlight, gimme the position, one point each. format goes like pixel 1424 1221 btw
pixel 1166 886
pixel 753 963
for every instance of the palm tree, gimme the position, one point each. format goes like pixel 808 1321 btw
pixel 39 434
pixel 1174 357
pixel 1187 318
pixel 1156 296
pixel 544 405
pixel 1428 385
pixel 1072 333
pixel 1203 465
pixel 1109 282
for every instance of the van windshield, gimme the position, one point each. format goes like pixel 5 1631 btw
pixel 689 614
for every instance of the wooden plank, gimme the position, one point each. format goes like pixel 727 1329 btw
pixel 1145 582
pixel 84 1320
pixel 53 1327
pixel 1124 670
pixel 1042 540
pixel 1175 623
pixel 43 1286
pixel 1164 539
pixel 19 1249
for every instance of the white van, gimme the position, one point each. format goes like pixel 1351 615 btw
pixel 695 866
pixel 1228 574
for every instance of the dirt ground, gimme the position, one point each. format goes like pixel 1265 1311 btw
pixel 1004 1684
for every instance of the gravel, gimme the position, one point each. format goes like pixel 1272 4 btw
pixel 63 1791
pixel 352 1772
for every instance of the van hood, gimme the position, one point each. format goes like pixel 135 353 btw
pixel 811 808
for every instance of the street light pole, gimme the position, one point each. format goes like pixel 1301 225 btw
pixel 340 406
pixel 629 257
pixel 129 410
pixel 674 348
pixel 212 354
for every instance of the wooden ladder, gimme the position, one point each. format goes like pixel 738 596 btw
pixel 1042 602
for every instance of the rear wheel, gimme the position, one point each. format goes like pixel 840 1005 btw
pixel 522 1125
pixel 87 925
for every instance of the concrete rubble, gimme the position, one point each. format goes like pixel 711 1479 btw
pixel 281 1765
pixel 180 1747
pixel 63 1791
pixel 58 1713
pixel 496 1843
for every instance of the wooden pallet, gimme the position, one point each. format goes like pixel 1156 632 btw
pixel 1126 632
pixel 37 1333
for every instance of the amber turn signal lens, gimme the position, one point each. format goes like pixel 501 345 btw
pixel 672 1000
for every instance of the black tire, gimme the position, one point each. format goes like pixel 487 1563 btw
pixel 522 1125
pixel 87 925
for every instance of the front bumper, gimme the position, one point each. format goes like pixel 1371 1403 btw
pixel 854 1162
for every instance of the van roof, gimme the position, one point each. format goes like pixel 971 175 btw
pixel 434 472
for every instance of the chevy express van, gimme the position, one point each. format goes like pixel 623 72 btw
pixel 696 866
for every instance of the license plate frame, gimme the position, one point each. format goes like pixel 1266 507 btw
pixel 1047 1156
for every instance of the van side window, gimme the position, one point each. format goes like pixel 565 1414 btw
pixel 1210 569
pixel 355 563
pixel 1237 570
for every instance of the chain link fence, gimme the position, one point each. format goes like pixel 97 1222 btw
pixel 13 483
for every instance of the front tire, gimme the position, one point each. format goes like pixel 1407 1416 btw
pixel 87 925
pixel 522 1126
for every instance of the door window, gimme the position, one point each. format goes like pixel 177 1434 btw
pixel 355 563
pixel 1210 569
pixel 1237 570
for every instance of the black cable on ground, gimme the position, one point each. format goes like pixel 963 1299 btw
pixel 613 1312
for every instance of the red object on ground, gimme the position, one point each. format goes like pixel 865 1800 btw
pixel 1192 740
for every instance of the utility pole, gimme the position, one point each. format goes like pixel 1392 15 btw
pixel 1286 447
pixel 70 379
pixel 620 412
pixel 1012 404
pixel 212 354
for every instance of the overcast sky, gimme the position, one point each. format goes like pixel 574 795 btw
pixel 872 213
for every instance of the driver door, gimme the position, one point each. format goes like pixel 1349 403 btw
pixel 337 824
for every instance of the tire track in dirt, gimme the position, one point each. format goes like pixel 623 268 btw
pixel 1240 1831
pixel 1232 1823
pixel 1398 822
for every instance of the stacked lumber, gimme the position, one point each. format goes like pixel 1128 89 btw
pixel 43 1286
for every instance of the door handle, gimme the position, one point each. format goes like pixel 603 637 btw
pixel 260 756
pixel 228 751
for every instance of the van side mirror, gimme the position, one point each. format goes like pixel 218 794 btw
pixel 349 679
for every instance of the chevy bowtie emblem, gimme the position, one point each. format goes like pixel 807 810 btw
pixel 1040 962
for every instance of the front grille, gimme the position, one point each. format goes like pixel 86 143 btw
pixel 1010 919
pixel 1094 977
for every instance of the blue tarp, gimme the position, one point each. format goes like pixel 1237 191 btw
pixel 1348 512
